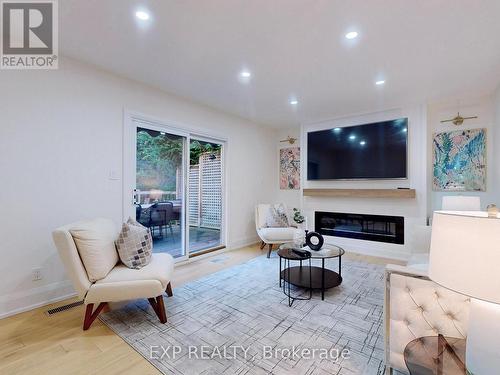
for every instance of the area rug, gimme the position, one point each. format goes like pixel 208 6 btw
pixel 237 321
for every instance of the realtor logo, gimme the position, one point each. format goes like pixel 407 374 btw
pixel 29 34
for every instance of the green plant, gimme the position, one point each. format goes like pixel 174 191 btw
pixel 159 157
pixel 297 216
pixel 196 148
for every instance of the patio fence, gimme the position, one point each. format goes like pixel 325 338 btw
pixel 205 191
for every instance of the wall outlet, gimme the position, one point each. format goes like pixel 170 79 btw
pixel 36 274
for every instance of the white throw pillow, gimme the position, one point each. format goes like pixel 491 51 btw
pixel 277 216
pixel 95 241
pixel 134 245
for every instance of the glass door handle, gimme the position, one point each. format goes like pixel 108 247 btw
pixel 136 196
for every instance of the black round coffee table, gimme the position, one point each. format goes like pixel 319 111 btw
pixel 309 276
pixel 295 254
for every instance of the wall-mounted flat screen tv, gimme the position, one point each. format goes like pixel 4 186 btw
pixel 370 151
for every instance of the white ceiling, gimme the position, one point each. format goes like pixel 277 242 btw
pixel 425 50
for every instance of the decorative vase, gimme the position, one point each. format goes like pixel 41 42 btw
pixel 314 240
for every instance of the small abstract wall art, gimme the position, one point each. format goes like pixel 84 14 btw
pixel 290 168
pixel 459 160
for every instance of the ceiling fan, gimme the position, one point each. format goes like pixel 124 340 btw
pixel 459 120
pixel 290 140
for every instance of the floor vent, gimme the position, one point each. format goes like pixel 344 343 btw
pixel 219 259
pixel 64 308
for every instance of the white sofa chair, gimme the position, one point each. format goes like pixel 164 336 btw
pixel 120 284
pixel 273 236
pixel 415 307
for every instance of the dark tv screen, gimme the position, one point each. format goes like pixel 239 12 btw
pixel 369 151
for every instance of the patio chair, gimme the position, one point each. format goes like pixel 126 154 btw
pixel 177 212
pixel 138 211
pixel 161 215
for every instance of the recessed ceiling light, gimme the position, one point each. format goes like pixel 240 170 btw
pixel 294 102
pixel 405 130
pixel 380 82
pixel 351 35
pixel 142 15
pixel 352 137
pixel 245 74
pixel 337 130
pixel 362 143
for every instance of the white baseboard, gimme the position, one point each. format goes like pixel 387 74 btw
pixel 18 302
pixel 15 303
pixel 379 253
pixel 249 241
pixel 376 249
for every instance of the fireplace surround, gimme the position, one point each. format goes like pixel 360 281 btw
pixel 379 228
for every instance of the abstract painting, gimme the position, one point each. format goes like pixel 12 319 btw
pixel 459 160
pixel 290 168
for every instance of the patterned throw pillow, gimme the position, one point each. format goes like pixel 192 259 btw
pixel 277 216
pixel 134 244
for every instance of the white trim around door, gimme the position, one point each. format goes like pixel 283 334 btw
pixel 130 121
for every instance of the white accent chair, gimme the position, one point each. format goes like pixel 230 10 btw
pixel 273 236
pixel 461 203
pixel 120 284
pixel 415 307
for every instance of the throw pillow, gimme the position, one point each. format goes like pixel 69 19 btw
pixel 277 216
pixel 134 244
pixel 95 241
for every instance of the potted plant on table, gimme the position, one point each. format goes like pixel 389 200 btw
pixel 298 218
pixel 300 221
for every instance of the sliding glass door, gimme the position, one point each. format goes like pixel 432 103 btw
pixel 159 190
pixel 176 180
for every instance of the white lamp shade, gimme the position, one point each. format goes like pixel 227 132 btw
pixel 465 253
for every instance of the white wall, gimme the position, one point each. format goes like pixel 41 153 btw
pixel 60 136
pixel 413 210
pixel 483 107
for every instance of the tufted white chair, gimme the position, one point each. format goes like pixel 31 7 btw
pixel 416 306
pixel 272 236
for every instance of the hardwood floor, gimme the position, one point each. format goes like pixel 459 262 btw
pixel 34 343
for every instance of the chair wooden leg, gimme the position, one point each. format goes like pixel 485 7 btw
pixel 91 315
pixel 169 290
pixel 262 245
pixel 270 249
pixel 159 308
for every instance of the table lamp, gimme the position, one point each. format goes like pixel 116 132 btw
pixel 465 257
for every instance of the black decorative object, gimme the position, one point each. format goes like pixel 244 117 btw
pixel 302 253
pixel 314 246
